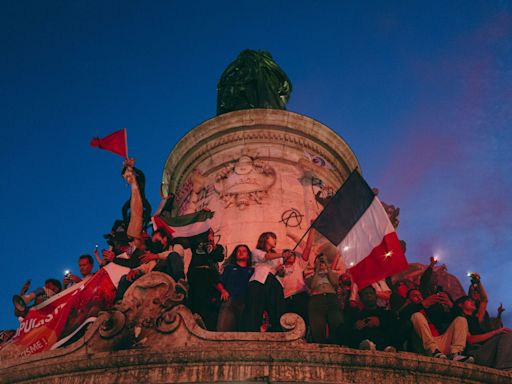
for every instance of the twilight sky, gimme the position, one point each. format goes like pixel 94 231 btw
pixel 421 91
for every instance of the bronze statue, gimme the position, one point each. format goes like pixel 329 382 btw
pixel 253 80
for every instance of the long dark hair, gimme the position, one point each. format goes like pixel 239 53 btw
pixel 232 258
pixel 263 239
pixel 457 309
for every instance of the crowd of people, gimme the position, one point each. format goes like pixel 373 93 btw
pixel 252 288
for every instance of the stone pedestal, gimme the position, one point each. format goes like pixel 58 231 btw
pixel 152 338
pixel 259 170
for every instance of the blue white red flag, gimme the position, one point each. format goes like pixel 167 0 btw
pixel 356 222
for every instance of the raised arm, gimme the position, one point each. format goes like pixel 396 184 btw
pixel 136 208
pixel 273 254
pixel 482 307
pixel 472 339
pixel 307 248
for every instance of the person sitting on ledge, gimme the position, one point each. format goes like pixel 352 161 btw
pixel 426 324
pixel 118 241
pixel 160 256
pixel 371 327
pixel 492 348
pixel 233 289
pixel 399 294
pixel 142 256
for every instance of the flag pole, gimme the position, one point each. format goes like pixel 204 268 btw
pixel 314 221
pixel 126 142
pixel 305 233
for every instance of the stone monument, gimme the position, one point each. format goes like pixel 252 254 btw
pixel 259 168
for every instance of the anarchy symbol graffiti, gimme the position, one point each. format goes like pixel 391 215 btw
pixel 292 218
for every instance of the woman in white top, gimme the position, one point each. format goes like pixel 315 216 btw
pixel 265 292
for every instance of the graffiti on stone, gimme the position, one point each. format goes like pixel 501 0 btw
pixel 183 196
pixel 192 196
pixel 292 218
pixel 322 192
pixel 204 197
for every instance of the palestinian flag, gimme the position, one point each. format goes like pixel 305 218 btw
pixel 356 222
pixel 185 229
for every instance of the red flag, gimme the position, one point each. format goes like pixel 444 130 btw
pixel 115 142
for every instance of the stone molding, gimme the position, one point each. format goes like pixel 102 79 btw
pixel 253 361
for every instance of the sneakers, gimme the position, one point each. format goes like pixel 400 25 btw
pixel 461 358
pixel 367 345
pixel 370 346
pixel 439 355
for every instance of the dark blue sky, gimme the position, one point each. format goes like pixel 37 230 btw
pixel 421 91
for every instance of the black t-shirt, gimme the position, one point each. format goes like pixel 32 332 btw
pixel 202 258
pixel 132 261
pixel 474 325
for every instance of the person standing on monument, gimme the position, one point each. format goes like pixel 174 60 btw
pixel 265 292
pixel 325 314
pixel 203 277
pixel 233 289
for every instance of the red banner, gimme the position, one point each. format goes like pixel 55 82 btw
pixel 54 321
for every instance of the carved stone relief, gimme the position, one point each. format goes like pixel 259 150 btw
pixel 244 182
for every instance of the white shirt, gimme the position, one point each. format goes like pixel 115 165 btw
pixel 148 267
pixel 262 266
pixel 294 277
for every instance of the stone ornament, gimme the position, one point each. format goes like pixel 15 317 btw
pixel 244 182
pixel 139 314
pixel 151 316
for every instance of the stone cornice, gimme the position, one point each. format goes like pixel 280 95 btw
pixel 257 126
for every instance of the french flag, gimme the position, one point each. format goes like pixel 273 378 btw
pixel 355 221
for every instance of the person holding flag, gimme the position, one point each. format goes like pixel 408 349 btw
pixel 355 221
